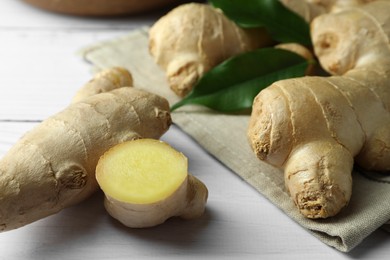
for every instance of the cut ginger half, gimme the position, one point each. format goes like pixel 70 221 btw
pixel 146 182
pixel 142 171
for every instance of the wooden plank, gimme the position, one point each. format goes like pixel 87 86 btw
pixel 41 72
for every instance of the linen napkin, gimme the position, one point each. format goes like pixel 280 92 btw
pixel 224 136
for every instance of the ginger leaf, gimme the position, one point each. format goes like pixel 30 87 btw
pixel 232 85
pixel 283 24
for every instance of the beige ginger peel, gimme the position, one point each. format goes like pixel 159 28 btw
pixel 193 38
pixel 146 182
pixel 315 128
pixel 53 165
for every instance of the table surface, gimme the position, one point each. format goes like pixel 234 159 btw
pixel 39 73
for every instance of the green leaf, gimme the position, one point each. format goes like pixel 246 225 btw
pixel 283 24
pixel 232 85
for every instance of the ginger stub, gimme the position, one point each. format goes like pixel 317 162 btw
pixel 146 182
pixel 53 165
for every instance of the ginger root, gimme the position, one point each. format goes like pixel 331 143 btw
pixel 146 182
pixel 193 38
pixel 104 81
pixel 53 165
pixel 310 9
pixel 315 128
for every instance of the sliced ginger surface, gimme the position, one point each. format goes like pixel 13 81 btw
pixel 145 182
pixel 141 171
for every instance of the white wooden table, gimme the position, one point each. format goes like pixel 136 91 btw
pixel 39 73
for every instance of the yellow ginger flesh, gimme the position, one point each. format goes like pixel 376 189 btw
pixel 141 171
pixel 146 182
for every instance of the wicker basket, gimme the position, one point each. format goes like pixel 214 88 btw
pixel 101 7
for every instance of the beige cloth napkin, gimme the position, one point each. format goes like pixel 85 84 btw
pixel 224 136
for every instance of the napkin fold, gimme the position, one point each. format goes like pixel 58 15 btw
pixel 224 136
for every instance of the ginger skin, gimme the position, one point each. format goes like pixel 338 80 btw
pixel 310 9
pixel 104 81
pixel 193 38
pixel 53 165
pixel 146 182
pixel 315 128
